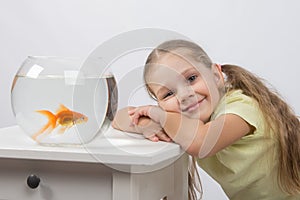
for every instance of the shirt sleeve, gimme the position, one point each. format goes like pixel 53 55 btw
pixel 244 106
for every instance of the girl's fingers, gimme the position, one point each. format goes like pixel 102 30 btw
pixel 163 136
pixel 153 138
pixel 136 114
pixel 135 118
pixel 131 111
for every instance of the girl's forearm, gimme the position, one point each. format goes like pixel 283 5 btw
pixel 188 133
pixel 122 120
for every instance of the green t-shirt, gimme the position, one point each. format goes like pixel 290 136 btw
pixel 247 169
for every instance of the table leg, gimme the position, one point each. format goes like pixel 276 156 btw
pixel 170 182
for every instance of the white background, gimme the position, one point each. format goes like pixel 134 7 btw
pixel 261 35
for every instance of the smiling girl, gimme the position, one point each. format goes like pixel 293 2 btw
pixel 239 131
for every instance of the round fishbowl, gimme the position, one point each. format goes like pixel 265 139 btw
pixel 63 101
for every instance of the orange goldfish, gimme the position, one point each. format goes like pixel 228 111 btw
pixel 63 117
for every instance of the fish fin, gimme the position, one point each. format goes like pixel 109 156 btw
pixel 51 117
pixel 42 130
pixel 49 126
pixel 62 108
pixel 63 129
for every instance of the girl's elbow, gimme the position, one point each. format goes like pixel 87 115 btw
pixel 193 150
pixel 198 151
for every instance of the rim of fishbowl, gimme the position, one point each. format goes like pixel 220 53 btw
pixel 80 61
pixel 55 57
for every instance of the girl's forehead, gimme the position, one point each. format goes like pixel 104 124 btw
pixel 174 65
pixel 170 75
pixel 163 76
pixel 172 69
pixel 174 60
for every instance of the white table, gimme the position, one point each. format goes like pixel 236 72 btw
pixel 115 165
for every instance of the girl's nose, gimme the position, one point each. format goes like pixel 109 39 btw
pixel 185 95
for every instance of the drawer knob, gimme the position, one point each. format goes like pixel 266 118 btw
pixel 33 181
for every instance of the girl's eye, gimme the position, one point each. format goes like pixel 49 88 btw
pixel 170 93
pixel 192 78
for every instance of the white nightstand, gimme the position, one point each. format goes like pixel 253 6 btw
pixel 116 165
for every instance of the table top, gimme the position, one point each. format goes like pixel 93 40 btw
pixel 113 147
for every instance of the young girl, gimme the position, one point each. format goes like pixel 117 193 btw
pixel 238 130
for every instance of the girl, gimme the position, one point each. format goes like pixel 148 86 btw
pixel 238 130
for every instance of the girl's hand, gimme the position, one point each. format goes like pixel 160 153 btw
pixel 153 131
pixel 146 126
pixel 153 112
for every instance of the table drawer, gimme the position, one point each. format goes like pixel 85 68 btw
pixel 58 180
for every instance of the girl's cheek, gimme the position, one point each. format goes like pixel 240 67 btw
pixel 162 105
pixel 170 105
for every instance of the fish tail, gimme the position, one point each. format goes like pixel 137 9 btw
pixel 50 125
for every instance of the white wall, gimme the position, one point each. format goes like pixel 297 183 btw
pixel 261 35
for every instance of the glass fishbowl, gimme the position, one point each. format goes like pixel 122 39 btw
pixel 63 101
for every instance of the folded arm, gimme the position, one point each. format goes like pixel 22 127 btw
pixel 150 129
pixel 195 137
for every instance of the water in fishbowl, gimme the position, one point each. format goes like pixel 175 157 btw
pixel 63 110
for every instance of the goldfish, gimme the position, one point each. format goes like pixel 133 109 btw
pixel 63 118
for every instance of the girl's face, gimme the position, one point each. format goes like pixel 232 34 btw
pixel 181 87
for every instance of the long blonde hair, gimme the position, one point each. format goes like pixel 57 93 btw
pixel 279 116
pixel 280 119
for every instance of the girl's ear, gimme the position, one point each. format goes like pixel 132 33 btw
pixel 218 75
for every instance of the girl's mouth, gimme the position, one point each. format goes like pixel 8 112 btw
pixel 193 106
